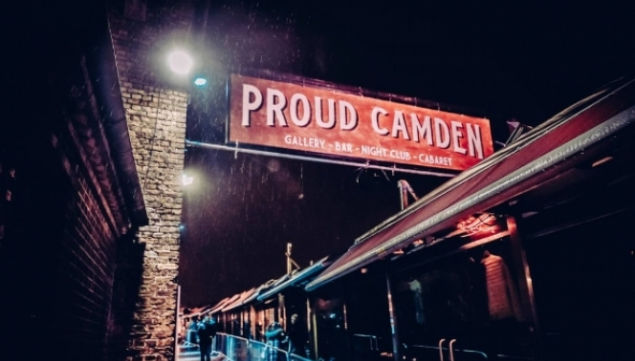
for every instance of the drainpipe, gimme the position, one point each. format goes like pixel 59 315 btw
pixel 178 322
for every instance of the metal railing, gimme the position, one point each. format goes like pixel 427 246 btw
pixel 238 348
pixel 440 352
pixel 370 340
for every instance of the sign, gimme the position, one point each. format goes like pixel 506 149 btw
pixel 338 123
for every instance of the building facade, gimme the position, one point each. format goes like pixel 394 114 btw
pixel 91 151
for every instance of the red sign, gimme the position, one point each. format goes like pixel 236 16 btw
pixel 331 121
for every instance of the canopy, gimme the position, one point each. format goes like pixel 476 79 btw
pixel 245 297
pixel 263 287
pixel 219 306
pixel 295 279
pixel 535 157
pixel 239 301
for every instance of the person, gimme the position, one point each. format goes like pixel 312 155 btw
pixel 206 330
pixel 259 335
pixel 297 335
pixel 274 334
pixel 192 330
pixel 213 330
pixel 246 332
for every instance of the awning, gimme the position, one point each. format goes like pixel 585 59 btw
pixel 196 311
pixel 219 306
pixel 511 171
pixel 273 284
pixel 295 279
pixel 245 297
pixel 263 287
pixel 238 301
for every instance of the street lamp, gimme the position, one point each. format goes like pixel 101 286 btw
pixel 180 62
pixel 186 180
pixel 200 81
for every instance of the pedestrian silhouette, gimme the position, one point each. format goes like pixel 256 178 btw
pixel 206 331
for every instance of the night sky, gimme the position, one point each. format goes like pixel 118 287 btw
pixel 510 61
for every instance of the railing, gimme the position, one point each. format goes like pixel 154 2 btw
pixel 370 340
pixel 238 348
pixel 442 353
pixel 365 347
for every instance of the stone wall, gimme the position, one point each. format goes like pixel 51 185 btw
pixel 156 115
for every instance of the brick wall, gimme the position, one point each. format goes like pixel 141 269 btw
pixel 156 120
pixel 79 281
pixel 63 225
pixel 70 263
pixel 86 258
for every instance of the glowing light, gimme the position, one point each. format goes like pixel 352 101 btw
pixel 180 62
pixel 599 162
pixel 200 81
pixel 186 180
pixel 528 214
pixel 478 225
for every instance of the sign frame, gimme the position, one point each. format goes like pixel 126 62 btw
pixel 386 100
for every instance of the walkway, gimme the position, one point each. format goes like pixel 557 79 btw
pixel 190 352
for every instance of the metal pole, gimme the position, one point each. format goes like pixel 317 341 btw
pixel 526 281
pixel 403 196
pixel 393 320
pixel 315 335
pixel 288 254
pixel 308 315
pixel 281 310
pixel 178 322
pixel 404 190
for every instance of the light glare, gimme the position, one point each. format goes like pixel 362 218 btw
pixel 186 180
pixel 180 62
pixel 200 81
pixel 601 161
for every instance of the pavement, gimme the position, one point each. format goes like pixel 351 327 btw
pixel 190 352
